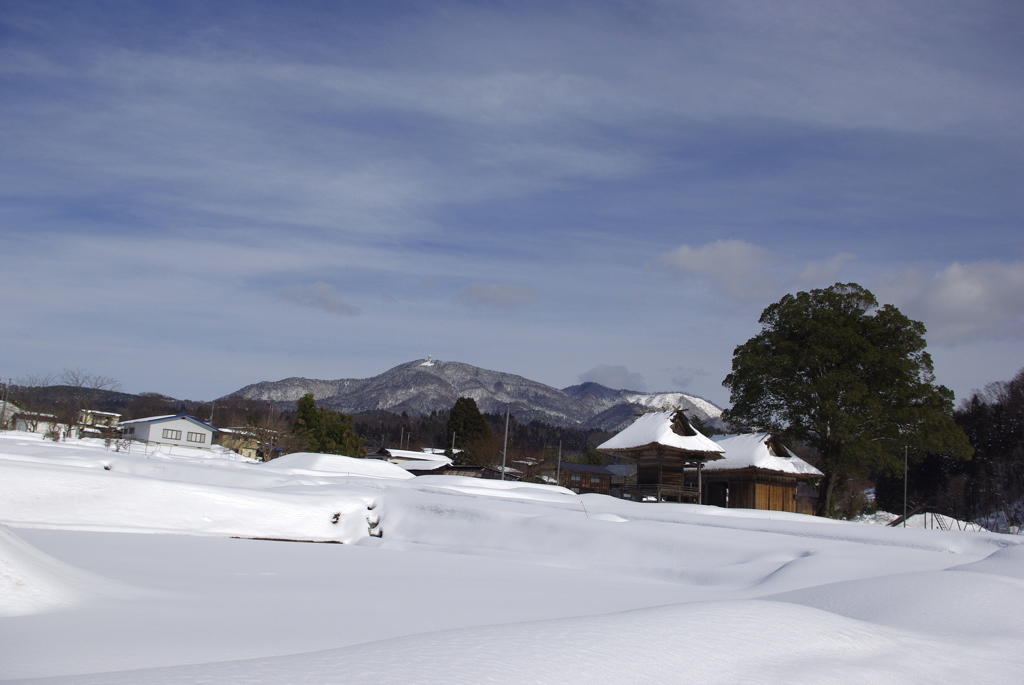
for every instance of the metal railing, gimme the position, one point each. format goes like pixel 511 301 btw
pixel 662 493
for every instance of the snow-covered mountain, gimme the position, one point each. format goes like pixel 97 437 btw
pixel 426 385
pixel 615 409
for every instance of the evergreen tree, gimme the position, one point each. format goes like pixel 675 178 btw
pixel 470 429
pixel 325 430
pixel 851 379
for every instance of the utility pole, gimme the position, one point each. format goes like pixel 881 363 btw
pixel 3 410
pixel 558 471
pixel 504 451
pixel 453 443
pixel 905 463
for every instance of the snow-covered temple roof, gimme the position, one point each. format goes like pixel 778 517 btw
pixel 759 450
pixel 665 429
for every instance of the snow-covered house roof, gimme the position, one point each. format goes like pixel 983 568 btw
pixel 168 417
pixel 761 451
pixel 8 410
pixel 662 429
pixel 398 456
pixel 436 450
pixel 423 465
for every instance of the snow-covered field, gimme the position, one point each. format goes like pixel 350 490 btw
pixel 133 568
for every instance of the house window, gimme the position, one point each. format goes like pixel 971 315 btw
pixel 196 437
pixel 130 430
pixel 575 477
pixel 170 434
pixel 595 480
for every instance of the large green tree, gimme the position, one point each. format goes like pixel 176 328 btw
pixel 470 431
pixel 325 430
pixel 849 378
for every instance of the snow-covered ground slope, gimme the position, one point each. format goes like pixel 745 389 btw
pixel 142 569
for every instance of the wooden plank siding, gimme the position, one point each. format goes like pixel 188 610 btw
pixel 775 497
pixel 749 489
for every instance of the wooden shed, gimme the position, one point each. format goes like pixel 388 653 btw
pixel 758 472
pixel 664 445
pixel 580 478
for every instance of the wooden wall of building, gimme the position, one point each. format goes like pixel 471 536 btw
pixel 773 496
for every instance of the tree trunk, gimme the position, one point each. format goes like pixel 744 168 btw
pixel 825 495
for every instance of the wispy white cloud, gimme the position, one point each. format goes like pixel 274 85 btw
pixel 962 302
pixel 820 271
pixel 746 273
pixel 319 295
pixel 495 295
pixel 615 377
pixel 735 267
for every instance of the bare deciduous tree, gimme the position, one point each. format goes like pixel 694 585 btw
pixel 81 391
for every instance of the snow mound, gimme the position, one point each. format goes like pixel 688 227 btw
pixel 1004 562
pixel 495 488
pixel 335 463
pixel 805 645
pixel 32 582
pixel 939 603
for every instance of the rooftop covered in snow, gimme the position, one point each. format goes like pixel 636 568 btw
pixel 663 433
pixel 760 451
pixel 397 456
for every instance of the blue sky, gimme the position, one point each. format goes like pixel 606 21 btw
pixel 197 196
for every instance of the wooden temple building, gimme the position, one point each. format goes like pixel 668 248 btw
pixel 759 472
pixel 664 446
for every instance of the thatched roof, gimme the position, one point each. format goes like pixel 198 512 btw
pixel 665 432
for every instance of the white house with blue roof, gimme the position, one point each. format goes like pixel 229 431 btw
pixel 173 429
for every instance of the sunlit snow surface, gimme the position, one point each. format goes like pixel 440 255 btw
pixel 133 568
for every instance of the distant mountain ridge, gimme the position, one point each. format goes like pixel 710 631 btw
pixel 426 385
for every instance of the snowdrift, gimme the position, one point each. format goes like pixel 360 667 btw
pixel 32 582
pixel 449 579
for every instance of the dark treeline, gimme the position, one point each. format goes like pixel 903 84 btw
pixel 401 431
pixel 58 400
pixel 989 484
pixel 376 429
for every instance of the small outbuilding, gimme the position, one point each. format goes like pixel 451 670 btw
pixel 664 445
pixel 97 424
pixel 240 440
pixel 417 463
pixel 35 422
pixel 759 472
pixel 174 429
pixel 580 478
pixel 473 471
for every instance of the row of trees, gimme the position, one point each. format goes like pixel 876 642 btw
pixel 990 485
pixel 59 398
